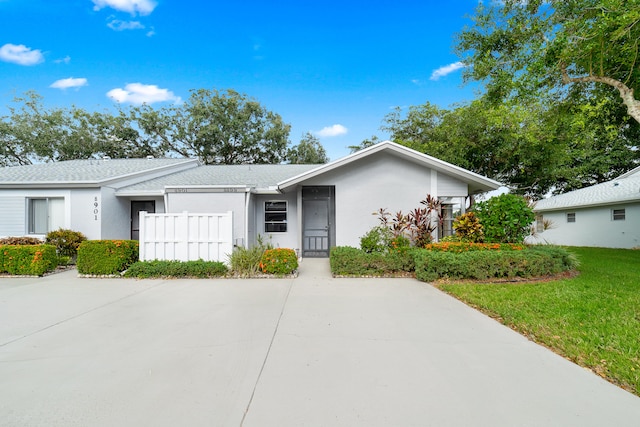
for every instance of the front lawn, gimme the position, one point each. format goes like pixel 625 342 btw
pixel 592 319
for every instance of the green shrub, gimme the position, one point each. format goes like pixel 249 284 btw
pixel 200 269
pixel 246 262
pixel 22 240
pixel 348 261
pixel 65 241
pixel 32 260
pixel 279 261
pixel 535 261
pixel 378 239
pixel 105 257
pixel 506 218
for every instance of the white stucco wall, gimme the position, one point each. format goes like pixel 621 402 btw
pixel 380 181
pixel 593 227
pixel 279 240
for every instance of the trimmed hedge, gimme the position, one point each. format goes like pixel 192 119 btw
pixel 535 261
pixel 106 257
pixel 349 261
pixel 31 260
pixel 200 269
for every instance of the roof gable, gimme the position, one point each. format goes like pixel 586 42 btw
pixel 477 183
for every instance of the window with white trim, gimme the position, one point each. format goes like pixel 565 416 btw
pixel 539 223
pixel 618 214
pixel 571 217
pixel 275 216
pixel 45 214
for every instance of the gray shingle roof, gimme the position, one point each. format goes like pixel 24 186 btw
pixel 257 176
pixel 82 171
pixel 616 191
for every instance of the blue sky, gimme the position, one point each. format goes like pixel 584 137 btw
pixel 331 68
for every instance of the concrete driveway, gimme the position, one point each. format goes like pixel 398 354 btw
pixel 311 351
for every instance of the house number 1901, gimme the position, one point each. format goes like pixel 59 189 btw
pixel 95 209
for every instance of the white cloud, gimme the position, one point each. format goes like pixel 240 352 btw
pixel 447 69
pixel 143 7
pixel 67 83
pixel 118 25
pixel 64 60
pixel 335 130
pixel 20 54
pixel 137 93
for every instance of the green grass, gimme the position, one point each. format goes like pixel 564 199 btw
pixel 592 319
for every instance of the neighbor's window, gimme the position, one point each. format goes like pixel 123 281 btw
pixel 275 216
pixel 539 223
pixel 571 217
pixel 45 215
pixel 618 214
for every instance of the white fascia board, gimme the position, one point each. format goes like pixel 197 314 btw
pixel 425 159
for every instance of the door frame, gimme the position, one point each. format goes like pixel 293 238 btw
pixel 323 192
pixel 135 216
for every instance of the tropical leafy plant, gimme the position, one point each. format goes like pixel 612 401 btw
pixel 468 228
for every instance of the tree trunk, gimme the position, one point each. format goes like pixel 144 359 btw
pixel 626 93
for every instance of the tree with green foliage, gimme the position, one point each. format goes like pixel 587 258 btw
pixel 521 48
pixel 308 151
pixel 364 144
pixel 506 218
pixel 217 127
pixel 32 133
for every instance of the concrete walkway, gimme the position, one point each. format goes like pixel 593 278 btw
pixel 311 351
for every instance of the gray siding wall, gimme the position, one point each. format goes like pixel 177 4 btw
pixel 12 212
pixel 13 209
pixel 449 186
pixel 593 227
pixel 378 181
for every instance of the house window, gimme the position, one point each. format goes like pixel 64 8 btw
pixel 447 220
pixel 275 216
pixel 45 215
pixel 539 223
pixel 618 214
pixel 571 217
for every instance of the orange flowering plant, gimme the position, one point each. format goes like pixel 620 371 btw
pixel 460 247
pixel 279 261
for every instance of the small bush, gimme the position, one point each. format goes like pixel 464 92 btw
pixel 32 260
pixel 65 241
pixel 489 264
pixel 378 239
pixel 105 257
pixel 468 228
pixel 246 262
pixel 200 269
pixel 23 240
pixel 279 261
pixel 505 218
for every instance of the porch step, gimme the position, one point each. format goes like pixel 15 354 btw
pixel 315 268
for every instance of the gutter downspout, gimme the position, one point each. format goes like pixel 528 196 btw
pixel 247 199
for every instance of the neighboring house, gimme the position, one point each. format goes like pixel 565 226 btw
pixel 603 215
pixel 306 207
